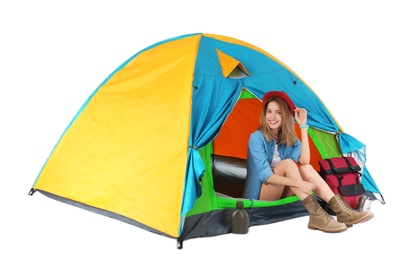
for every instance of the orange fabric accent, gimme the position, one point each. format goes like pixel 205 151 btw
pixel 234 135
pixel 228 64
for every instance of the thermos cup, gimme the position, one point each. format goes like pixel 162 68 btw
pixel 364 203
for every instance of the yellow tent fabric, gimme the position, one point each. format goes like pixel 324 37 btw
pixel 101 171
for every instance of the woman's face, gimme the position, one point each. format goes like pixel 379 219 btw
pixel 273 115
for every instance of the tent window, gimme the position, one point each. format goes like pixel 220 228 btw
pixel 237 73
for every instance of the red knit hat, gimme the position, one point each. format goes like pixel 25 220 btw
pixel 281 95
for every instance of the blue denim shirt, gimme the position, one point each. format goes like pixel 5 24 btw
pixel 259 158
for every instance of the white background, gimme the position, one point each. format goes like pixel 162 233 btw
pixel 54 54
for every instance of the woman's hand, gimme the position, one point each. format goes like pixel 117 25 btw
pixel 300 114
pixel 306 187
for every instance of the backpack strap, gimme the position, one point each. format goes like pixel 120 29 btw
pixel 340 176
pixel 351 166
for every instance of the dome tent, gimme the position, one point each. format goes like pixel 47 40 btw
pixel 161 143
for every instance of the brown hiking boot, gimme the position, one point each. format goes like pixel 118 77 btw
pixel 346 214
pixel 320 219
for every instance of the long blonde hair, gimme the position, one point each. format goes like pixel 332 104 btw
pixel 286 134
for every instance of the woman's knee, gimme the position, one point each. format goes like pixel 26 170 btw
pixel 308 172
pixel 286 166
pixel 289 164
pixel 306 168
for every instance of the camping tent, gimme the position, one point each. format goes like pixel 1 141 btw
pixel 161 143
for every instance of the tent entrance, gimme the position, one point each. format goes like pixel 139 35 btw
pixel 229 153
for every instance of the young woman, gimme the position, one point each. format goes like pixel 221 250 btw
pixel 278 166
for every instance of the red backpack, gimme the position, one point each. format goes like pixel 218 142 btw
pixel 342 174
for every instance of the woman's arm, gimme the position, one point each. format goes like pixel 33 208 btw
pixel 301 119
pixel 305 147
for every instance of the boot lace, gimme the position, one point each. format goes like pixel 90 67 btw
pixel 345 206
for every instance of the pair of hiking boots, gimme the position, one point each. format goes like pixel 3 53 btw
pixel 346 216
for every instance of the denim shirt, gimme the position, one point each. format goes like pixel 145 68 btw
pixel 259 158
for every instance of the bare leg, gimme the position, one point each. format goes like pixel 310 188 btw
pixel 286 168
pixel 322 190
